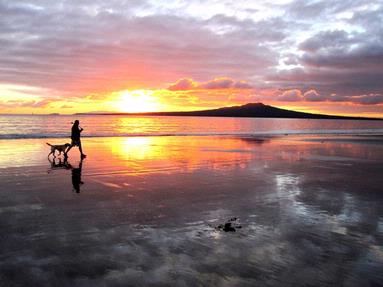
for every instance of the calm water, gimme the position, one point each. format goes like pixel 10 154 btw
pixel 12 127
pixel 147 210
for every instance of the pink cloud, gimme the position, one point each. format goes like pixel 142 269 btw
pixel 242 85
pixel 215 84
pixel 313 96
pixel 182 85
pixel 26 103
pixel 218 83
pixel 293 95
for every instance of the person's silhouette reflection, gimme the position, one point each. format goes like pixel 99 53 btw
pixel 76 172
pixel 76 177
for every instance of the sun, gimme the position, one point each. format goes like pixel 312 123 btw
pixel 137 101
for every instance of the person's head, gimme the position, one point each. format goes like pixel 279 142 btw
pixel 76 122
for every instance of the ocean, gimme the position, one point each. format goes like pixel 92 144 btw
pixel 150 203
pixel 59 126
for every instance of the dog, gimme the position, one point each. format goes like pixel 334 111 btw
pixel 59 148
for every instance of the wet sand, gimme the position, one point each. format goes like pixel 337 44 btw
pixel 146 211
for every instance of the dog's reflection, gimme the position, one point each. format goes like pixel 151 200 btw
pixel 76 171
pixel 59 163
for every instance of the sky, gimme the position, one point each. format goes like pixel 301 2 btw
pixel 136 56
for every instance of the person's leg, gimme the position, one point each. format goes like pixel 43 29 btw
pixel 69 148
pixel 80 148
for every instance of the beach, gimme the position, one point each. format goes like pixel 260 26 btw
pixel 304 210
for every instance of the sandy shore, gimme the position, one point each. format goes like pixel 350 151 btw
pixel 146 211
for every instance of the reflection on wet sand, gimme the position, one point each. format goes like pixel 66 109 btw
pixel 58 163
pixel 76 177
pixel 152 154
pixel 63 163
pixel 309 210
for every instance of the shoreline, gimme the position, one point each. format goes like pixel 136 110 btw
pixel 223 135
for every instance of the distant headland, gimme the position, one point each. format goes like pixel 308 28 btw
pixel 250 110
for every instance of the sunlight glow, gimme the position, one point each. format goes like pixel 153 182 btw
pixel 137 101
pixel 134 147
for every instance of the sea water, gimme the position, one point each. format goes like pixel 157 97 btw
pixel 59 126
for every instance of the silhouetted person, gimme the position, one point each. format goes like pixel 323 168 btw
pixel 76 177
pixel 75 136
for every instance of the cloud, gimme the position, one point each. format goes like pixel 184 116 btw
pixel 107 48
pixel 26 103
pixel 242 85
pixel 215 84
pixel 294 95
pixel 345 57
pixel 337 98
pixel 327 40
pixel 313 96
pixel 66 107
pixel 218 83
pixel 370 99
pixel 77 48
pixel 182 85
